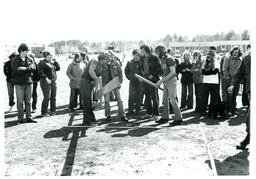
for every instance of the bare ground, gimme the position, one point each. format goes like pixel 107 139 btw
pixel 59 145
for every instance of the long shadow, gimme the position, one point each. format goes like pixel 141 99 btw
pixel 11 123
pixel 10 114
pixel 233 165
pixel 77 132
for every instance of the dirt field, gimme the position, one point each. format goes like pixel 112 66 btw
pixel 60 146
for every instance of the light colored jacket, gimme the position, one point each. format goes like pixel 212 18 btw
pixel 74 72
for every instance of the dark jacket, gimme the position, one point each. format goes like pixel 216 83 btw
pixel 187 77
pixel 48 69
pixel 131 68
pixel 154 68
pixel 115 70
pixel 244 73
pixel 36 75
pixel 8 71
pixel 22 77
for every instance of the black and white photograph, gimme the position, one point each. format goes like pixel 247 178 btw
pixel 127 88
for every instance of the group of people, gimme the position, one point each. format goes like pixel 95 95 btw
pixel 23 73
pixel 206 76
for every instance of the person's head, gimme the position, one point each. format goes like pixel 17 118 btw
pixel 197 55
pixel 47 55
pixel 103 58
pixel 160 50
pixel 145 50
pixel 213 49
pixel 14 54
pixel 136 54
pixel 236 52
pixel 186 57
pixel 209 61
pixel 23 50
pixel 77 58
pixel 169 51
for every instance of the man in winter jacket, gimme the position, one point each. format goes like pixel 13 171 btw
pixel 23 68
pixel 135 86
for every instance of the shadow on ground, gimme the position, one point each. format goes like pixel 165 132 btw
pixel 77 132
pixel 233 165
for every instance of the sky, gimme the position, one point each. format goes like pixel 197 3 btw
pixel 45 21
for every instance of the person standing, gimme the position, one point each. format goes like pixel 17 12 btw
pixel 230 67
pixel 23 68
pixel 135 86
pixel 187 82
pixel 9 80
pixel 89 78
pixel 211 83
pixel 243 73
pixel 170 86
pixel 35 79
pixel 74 72
pixel 47 70
pixel 111 68
pixel 197 78
pixel 151 71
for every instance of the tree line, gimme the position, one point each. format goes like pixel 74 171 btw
pixel 62 47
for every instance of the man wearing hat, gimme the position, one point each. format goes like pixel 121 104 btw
pixel 23 68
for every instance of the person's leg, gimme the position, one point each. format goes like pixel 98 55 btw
pixel 80 99
pixel 165 113
pixel 246 141
pixel 131 98
pixel 28 94
pixel 155 99
pixel 53 96
pixel 138 95
pixel 46 89
pixel 107 105
pixel 215 93
pixel 34 95
pixel 204 97
pixel 183 95
pixel 234 95
pixel 86 91
pixel 148 103
pixel 20 95
pixel 172 91
pixel 196 85
pixel 119 102
pixel 10 89
pixel 190 96
pixel 72 98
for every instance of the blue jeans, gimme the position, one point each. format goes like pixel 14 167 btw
pixel 23 94
pixel 119 103
pixel 10 88
pixel 49 92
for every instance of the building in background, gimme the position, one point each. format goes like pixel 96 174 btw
pixel 222 46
